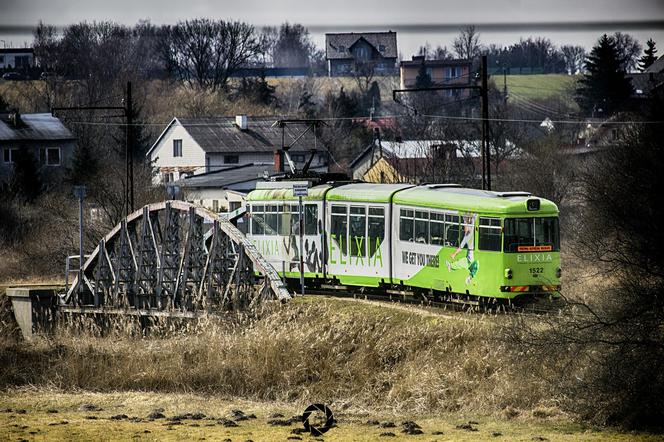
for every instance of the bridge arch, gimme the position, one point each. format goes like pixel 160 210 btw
pixel 174 256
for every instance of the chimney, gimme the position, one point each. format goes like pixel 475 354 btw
pixel 278 161
pixel 15 118
pixel 241 122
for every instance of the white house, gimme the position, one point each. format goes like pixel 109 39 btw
pixel 193 146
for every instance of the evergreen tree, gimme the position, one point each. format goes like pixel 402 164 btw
pixel 604 87
pixel 84 166
pixel 140 139
pixel 257 90
pixel 373 96
pixel 139 136
pixel 25 183
pixel 648 56
pixel 423 79
pixel 306 104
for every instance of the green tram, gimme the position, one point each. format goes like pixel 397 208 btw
pixel 434 240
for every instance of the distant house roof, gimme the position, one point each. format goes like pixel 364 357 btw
pixel 644 82
pixel 232 175
pixel 33 127
pixel 336 45
pixel 419 149
pixel 417 62
pixel 222 135
pixel 657 66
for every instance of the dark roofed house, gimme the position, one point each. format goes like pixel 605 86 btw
pixel 193 146
pixel 43 136
pixel 657 67
pixel 344 50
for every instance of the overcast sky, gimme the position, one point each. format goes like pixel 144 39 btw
pixel 440 16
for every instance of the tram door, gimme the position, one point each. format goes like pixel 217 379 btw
pixel 357 251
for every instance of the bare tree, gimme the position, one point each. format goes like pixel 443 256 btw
pixel 629 50
pixel 363 73
pixel 294 47
pixel 467 44
pixel 574 57
pixel 439 53
pixel 206 53
pixel 267 40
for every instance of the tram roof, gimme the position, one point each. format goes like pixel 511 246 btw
pixel 365 192
pixel 473 200
pixel 314 193
pixel 432 196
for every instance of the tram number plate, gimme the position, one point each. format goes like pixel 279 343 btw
pixel 536 270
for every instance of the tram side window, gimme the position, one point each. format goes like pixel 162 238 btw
pixel 489 234
pixel 295 220
pixel 284 220
pixel 437 229
pixel 358 224
pixel 271 220
pixel 257 220
pixel 339 227
pixel 406 225
pixel 310 219
pixel 376 229
pixel 421 227
pixel 547 232
pixel 452 230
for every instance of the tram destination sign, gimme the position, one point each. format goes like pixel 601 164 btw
pixel 300 189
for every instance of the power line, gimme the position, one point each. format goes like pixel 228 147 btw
pixel 397 116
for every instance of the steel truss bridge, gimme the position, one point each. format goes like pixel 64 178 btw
pixel 173 258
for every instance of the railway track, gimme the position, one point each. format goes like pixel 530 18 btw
pixel 534 306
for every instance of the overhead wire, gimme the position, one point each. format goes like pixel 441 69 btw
pixel 398 116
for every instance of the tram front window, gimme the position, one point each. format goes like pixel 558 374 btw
pixel 529 234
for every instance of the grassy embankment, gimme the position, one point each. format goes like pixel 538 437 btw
pixel 366 360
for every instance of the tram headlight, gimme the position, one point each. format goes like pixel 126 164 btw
pixel 559 272
pixel 508 273
pixel 533 205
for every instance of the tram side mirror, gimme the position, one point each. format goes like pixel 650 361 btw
pixel 533 205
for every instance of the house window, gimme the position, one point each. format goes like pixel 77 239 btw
pixel 177 148
pixel 452 72
pixel 342 48
pixel 362 53
pixel 381 48
pixel 231 159
pixel 215 205
pixel 22 61
pixel 168 177
pixel 8 154
pixel 2 59
pixel 298 158
pixel 51 156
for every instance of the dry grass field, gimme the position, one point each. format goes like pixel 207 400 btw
pixel 368 361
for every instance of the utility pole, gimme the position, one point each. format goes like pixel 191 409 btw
pixel 128 114
pixel 79 192
pixel 484 94
pixel 129 152
pixel 486 149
